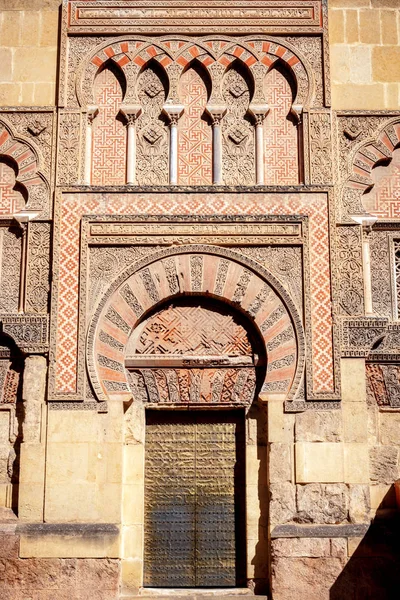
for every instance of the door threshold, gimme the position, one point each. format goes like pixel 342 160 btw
pixel 195 592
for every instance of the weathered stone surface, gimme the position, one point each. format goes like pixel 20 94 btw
pixel 282 505
pixel 389 425
pixel 319 531
pixel 296 547
pixel 319 426
pixel 319 503
pixel 9 545
pixel 61 578
pixel 339 547
pixel 280 463
pixel 33 390
pixel 304 578
pixel 384 464
pixel 359 504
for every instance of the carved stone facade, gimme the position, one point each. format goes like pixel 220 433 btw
pixel 194 232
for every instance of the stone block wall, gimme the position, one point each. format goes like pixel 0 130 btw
pixel 28 52
pixel 365 54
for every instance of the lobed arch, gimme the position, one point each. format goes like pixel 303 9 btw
pixel 132 54
pixel 372 153
pixel 203 271
pixel 24 159
pixel 368 155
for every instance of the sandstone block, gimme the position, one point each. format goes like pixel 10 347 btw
pixel 280 463
pixel 282 506
pixel 385 3
pixel 352 33
pixel 389 425
pixel 360 504
pixel 392 95
pixel 336 26
pixel 35 66
pixel 339 547
pixel 322 462
pixel 360 65
pixel 386 63
pixel 340 63
pixel 5 428
pixel 318 503
pixel 11 30
pixel 69 426
pixel 295 547
pixel 5 64
pixel 49 28
pixel 133 504
pixel 389 29
pixel 353 369
pixel 364 97
pixel 319 426
pixel 382 496
pixel 9 546
pixel 356 463
pixel 370 31
pixel 384 464
pixel 347 3
pixel 133 463
pixel 30 24
pixel 310 578
pixel 132 541
pixel 355 422
pixel 280 425
pixel 70 546
pixel 44 94
pixel 132 575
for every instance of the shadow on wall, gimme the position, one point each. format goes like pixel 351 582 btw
pixel 373 570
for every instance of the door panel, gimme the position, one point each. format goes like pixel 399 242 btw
pixel 193 499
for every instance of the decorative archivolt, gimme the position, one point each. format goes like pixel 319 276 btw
pixel 372 153
pixel 369 154
pixel 25 160
pixel 216 54
pixel 203 271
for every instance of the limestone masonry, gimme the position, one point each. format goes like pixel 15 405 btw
pixel 199 299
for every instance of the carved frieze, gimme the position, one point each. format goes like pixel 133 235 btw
pixel 38 268
pixel 321 148
pixel 349 269
pixel 29 333
pixel 157 16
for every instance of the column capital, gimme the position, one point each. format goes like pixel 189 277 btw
pixel 130 112
pixel 173 112
pixel 92 112
pixel 366 221
pixel 216 113
pixel 258 112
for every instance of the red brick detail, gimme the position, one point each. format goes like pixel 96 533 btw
pixel 281 143
pixel 109 52
pixel 138 60
pixel 195 144
pixel 165 61
pixel 109 134
pixel 182 61
pixel 124 46
pixel 280 51
pixel 266 60
pixel 124 60
pixel 225 60
pixel 97 61
pixel 194 51
pixel 251 60
pixel 293 61
pixel 238 51
pixel 151 51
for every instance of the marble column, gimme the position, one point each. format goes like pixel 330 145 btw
pixel 366 223
pixel 173 112
pixel 259 112
pixel 130 114
pixel 216 114
pixel 92 112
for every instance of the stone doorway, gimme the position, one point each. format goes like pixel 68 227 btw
pixel 194 523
